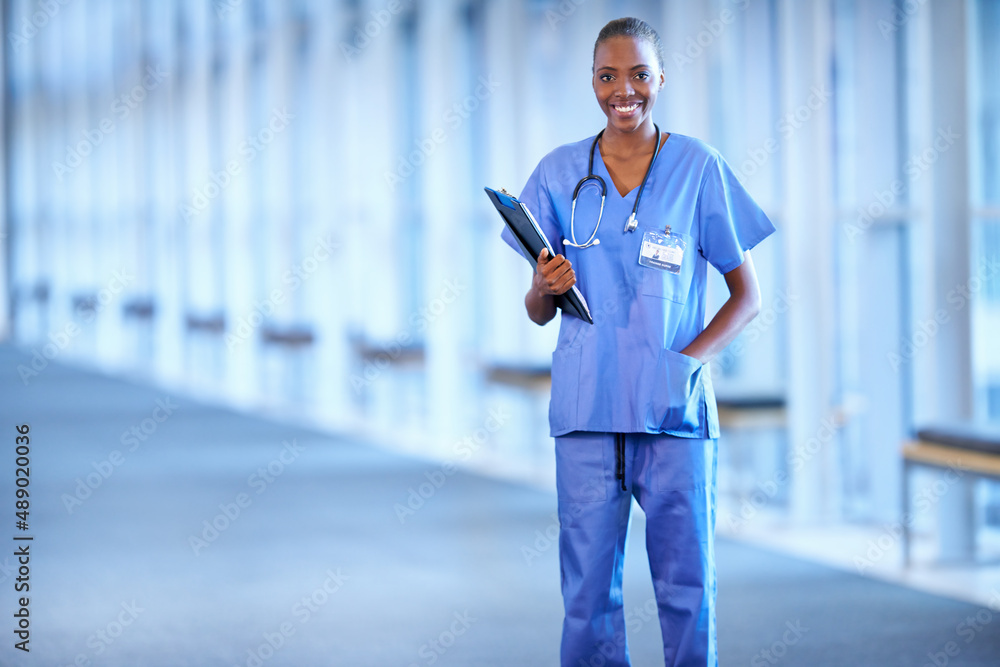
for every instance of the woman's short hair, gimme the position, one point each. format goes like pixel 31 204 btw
pixel 631 27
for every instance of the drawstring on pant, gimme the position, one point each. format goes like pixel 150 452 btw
pixel 620 458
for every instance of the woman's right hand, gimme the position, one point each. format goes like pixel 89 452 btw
pixel 553 275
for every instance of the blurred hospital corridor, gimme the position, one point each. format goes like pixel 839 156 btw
pixel 269 388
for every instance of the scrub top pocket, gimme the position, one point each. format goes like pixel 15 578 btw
pixel 666 285
pixel 676 407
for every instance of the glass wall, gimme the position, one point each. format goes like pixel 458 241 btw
pixel 280 204
pixel 985 290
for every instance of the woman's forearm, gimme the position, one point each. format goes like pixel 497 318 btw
pixel 541 307
pixel 737 312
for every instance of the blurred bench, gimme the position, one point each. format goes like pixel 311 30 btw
pixel 972 451
pixel 753 444
pixel 751 412
pixel 523 376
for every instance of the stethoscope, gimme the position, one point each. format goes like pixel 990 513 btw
pixel 631 223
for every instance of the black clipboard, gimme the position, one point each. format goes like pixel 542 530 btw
pixel 530 237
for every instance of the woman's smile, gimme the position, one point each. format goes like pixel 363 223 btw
pixel 626 110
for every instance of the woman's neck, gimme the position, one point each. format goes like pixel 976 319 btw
pixel 622 144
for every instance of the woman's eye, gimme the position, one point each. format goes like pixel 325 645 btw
pixel 606 77
pixel 642 75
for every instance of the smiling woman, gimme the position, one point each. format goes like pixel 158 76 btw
pixel 632 408
pixel 629 106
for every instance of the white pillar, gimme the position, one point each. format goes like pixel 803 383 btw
pixel 805 56
pixel 327 166
pixel 872 256
pixel 950 226
pixel 950 385
pixel 446 199
pixel 237 204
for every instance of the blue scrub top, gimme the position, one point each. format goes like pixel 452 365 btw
pixel 624 373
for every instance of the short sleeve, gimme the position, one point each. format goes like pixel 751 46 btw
pixel 535 196
pixel 729 220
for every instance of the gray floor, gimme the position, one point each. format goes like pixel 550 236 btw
pixel 452 585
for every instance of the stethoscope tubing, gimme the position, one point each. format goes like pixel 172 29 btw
pixel 631 223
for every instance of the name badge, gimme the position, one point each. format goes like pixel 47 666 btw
pixel 662 250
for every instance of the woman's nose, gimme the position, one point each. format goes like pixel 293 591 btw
pixel 624 88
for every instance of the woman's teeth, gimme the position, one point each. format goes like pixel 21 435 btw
pixel 629 109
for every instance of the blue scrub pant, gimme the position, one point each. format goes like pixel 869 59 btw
pixel 673 479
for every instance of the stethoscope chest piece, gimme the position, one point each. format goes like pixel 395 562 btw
pixel 632 223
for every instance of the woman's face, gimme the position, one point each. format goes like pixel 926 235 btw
pixel 627 79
